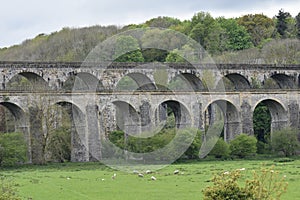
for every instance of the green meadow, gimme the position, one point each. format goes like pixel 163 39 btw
pixel 94 181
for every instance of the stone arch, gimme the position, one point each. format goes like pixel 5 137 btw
pixel 35 82
pixel 238 81
pixel 187 82
pixel 141 82
pixel 78 141
pixel 181 113
pixel 18 113
pixel 119 115
pixel 284 81
pixel 21 123
pixel 230 114
pixel 82 81
pixel 279 114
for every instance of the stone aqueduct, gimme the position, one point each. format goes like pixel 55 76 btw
pixel 92 104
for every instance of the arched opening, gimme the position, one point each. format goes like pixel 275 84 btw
pixel 262 127
pixel 135 81
pixel 221 118
pixel 173 114
pixel 277 112
pixel 280 81
pixel 27 81
pixel 14 131
pixel 82 81
pixel 234 81
pixel 186 82
pixel 65 133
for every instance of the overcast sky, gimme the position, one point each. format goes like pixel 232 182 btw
pixel 24 19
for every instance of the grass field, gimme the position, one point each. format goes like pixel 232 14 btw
pixel 93 180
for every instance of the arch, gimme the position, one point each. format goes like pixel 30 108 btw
pixel 284 81
pixel 77 130
pixel 119 115
pixel 239 81
pixel 16 111
pixel 279 114
pixel 82 81
pixel 187 82
pixel 181 114
pixel 230 117
pixel 34 81
pixel 142 82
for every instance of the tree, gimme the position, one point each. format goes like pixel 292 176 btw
pixel 127 50
pixel 286 141
pixel 243 145
pixel 298 25
pixel 234 35
pixel 259 26
pixel 162 22
pixel 282 23
pixel 262 122
pixel 206 30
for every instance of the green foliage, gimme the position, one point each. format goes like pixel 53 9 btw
pixel 162 22
pixel 221 149
pixel 262 122
pixel 7 189
pixel 127 50
pixel 206 30
pixel 59 145
pixel 243 145
pixel 286 141
pixel 259 26
pixel 282 24
pixel 298 25
pixel 265 184
pixel 13 149
pixel 235 36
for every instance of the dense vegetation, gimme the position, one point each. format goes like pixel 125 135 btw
pixel 252 38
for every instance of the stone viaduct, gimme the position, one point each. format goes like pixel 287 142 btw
pixel 96 102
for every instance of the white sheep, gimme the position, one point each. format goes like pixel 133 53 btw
pixel 114 176
pixel 153 178
pixel 176 171
pixel 148 172
pixel 141 175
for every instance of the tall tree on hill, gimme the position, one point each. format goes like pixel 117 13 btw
pixel 282 24
pixel 259 26
pixel 206 30
pixel 298 25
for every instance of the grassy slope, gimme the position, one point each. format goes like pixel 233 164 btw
pixel 84 180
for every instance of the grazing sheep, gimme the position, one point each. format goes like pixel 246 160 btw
pixel 135 172
pixel 141 175
pixel 148 172
pixel 114 176
pixel 176 171
pixel 153 178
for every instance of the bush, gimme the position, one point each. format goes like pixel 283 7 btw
pixel 286 141
pixel 7 190
pixel 59 145
pixel 265 184
pixel 13 149
pixel 221 149
pixel 243 145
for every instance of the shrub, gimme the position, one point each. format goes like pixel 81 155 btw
pixel 221 149
pixel 285 141
pixel 12 149
pixel 7 190
pixel 243 145
pixel 265 184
